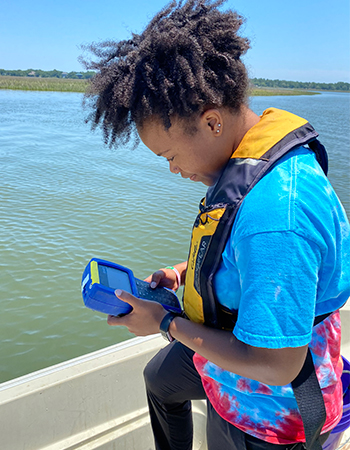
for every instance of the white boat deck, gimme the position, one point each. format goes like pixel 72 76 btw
pixel 96 401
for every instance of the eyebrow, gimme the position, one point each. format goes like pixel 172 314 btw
pixel 163 153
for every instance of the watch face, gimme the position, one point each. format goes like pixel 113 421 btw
pixel 169 337
pixel 164 326
pixel 165 336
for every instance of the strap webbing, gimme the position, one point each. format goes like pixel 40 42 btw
pixel 310 402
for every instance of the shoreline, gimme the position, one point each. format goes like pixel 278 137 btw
pixel 42 84
pixel 80 86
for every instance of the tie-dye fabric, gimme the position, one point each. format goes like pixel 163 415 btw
pixel 268 412
pixel 286 261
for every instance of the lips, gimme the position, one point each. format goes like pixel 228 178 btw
pixel 191 177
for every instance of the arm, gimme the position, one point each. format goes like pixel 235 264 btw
pixel 269 366
pixel 278 299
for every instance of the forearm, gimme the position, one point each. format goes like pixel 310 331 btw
pixel 269 366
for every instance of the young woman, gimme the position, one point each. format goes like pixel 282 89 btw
pixel 268 248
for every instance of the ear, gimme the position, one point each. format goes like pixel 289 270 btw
pixel 212 119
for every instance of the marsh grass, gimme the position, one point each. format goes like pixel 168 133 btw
pixel 70 85
pixel 43 84
pixel 266 92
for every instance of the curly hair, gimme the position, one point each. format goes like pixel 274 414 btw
pixel 185 61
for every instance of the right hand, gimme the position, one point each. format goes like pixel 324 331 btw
pixel 163 277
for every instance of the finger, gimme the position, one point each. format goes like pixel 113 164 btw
pixel 115 321
pixel 156 278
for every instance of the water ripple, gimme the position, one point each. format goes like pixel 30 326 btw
pixel 65 198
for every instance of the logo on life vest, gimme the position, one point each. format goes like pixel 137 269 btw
pixel 203 247
pixel 193 254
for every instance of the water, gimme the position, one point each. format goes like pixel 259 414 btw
pixel 65 198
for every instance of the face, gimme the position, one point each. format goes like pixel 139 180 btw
pixel 200 156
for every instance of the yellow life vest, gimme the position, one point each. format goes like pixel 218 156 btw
pixel 277 133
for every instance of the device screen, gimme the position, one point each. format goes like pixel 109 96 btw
pixel 114 278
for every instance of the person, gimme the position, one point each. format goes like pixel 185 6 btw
pixel 268 251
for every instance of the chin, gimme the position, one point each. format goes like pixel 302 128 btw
pixel 207 182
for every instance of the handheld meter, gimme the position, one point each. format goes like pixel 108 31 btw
pixel 100 280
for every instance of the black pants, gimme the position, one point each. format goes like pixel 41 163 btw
pixel 172 382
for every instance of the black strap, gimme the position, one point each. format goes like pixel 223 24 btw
pixel 319 319
pixel 310 402
pixel 321 154
pixel 308 394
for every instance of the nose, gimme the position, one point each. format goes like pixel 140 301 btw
pixel 173 168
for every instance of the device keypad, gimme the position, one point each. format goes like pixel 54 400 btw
pixel 161 295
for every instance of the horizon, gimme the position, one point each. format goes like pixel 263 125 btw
pixel 292 42
pixel 256 77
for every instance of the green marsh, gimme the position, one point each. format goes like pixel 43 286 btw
pixel 71 85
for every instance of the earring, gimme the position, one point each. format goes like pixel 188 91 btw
pixel 219 125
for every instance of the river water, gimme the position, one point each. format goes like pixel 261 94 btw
pixel 65 198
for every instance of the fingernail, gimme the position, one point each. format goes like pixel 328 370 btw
pixel 118 292
pixel 153 284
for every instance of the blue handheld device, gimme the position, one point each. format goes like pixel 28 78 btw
pixel 100 280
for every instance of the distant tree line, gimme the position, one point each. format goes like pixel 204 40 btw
pixel 37 73
pixel 264 83
pixel 257 82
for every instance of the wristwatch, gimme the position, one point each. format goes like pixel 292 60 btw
pixel 165 324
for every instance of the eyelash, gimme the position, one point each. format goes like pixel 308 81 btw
pixel 170 159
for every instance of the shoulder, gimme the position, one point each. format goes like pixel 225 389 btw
pixel 294 196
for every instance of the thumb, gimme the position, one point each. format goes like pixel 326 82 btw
pixel 127 297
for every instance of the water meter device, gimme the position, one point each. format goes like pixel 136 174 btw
pixel 100 280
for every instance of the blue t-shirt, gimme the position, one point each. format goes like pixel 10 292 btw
pixel 287 260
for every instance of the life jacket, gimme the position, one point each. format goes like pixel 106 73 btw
pixel 277 133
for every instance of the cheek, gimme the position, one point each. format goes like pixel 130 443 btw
pixel 194 157
pixel 200 164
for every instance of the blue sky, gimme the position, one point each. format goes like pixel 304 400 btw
pixel 304 40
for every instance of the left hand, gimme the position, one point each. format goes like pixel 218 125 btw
pixel 145 317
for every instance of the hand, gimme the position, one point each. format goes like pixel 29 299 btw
pixel 145 317
pixel 167 277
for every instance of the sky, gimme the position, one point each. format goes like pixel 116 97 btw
pixel 298 40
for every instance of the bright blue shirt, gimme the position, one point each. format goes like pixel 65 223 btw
pixel 287 260
pixel 288 256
